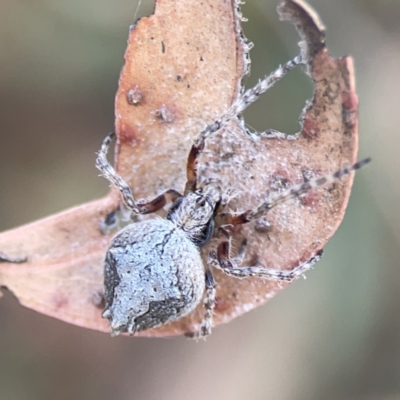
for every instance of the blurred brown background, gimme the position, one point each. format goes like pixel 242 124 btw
pixel 334 336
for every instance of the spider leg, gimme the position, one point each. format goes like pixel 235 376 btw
pixel 209 305
pixel 191 167
pixel 247 98
pixel 221 260
pixel 295 191
pixel 169 196
pixel 109 173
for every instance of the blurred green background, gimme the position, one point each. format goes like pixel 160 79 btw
pixel 334 336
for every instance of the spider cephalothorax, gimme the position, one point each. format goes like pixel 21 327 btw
pixel 194 213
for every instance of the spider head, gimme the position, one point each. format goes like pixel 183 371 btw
pixel 194 213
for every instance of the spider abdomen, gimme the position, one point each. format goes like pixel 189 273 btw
pixel 153 275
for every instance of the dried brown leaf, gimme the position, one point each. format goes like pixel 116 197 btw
pixel 183 68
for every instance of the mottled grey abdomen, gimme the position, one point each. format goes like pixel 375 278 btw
pixel 153 275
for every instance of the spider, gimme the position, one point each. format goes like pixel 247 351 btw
pixel 153 270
